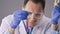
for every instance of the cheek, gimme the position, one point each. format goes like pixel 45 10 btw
pixel 29 18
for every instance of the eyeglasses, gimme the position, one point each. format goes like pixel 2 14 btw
pixel 36 15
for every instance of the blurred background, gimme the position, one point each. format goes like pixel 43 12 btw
pixel 9 6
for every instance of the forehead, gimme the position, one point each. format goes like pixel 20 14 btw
pixel 33 7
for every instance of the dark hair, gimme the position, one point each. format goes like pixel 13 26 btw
pixel 36 1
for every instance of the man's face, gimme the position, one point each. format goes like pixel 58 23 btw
pixel 35 12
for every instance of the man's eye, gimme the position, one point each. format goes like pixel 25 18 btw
pixel 30 13
pixel 38 14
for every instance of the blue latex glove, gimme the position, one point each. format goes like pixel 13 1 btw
pixel 55 14
pixel 18 16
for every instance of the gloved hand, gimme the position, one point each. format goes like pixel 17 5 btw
pixel 18 16
pixel 55 14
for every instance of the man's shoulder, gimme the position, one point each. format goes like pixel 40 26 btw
pixel 47 19
pixel 47 22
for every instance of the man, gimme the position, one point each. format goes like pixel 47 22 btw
pixel 29 20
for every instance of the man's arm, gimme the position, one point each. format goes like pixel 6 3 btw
pixel 5 24
pixel 17 17
pixel 55 16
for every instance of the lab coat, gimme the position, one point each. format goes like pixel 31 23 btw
pixel 43 27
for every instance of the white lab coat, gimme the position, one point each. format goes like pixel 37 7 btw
pixel 41 28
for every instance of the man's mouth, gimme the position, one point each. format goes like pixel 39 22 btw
pixel 33 21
